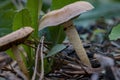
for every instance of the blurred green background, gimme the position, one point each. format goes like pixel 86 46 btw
pixel 103 8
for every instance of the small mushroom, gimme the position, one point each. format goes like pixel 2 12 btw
pixel 64 16
pixel 12 41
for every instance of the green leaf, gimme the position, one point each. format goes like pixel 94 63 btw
pixel 6 18
pixel 21 19
pixel 115 33
pixel 34 7
pixel 57 34
pixel 4 31
pixel 10 53
pixel 57 48
pixel 30 58
pixel 48 65
pixel 56 4
pixel 6 4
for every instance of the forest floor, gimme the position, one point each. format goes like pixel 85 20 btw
pixel 66 64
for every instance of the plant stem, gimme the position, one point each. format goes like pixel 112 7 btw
pixel 76 42
pixel 20 61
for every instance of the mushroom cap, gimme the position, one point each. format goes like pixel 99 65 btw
pixel 64 14
pixel 14 38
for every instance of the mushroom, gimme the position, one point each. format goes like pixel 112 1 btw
pixel 64 16
pixel 12 41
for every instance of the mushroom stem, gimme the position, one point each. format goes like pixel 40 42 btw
pixel 20 61
pixel 74 38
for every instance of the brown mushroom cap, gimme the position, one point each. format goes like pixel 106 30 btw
pixel 14 38
pixel 64 14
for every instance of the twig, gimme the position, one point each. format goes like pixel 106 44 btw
pixel 29 45
pixel 7 69
pixel 36 62
pixel 117 58
pixel 35 40
pixel 39 49
pixel 62 73
pixel 15 71
pixel 42 61
pixel 74 66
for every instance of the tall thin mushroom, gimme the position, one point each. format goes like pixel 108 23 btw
pixel 64 16
pixel 12 41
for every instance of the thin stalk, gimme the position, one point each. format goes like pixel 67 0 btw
pixel 76 42
pixel 42 59
pixel 20 61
